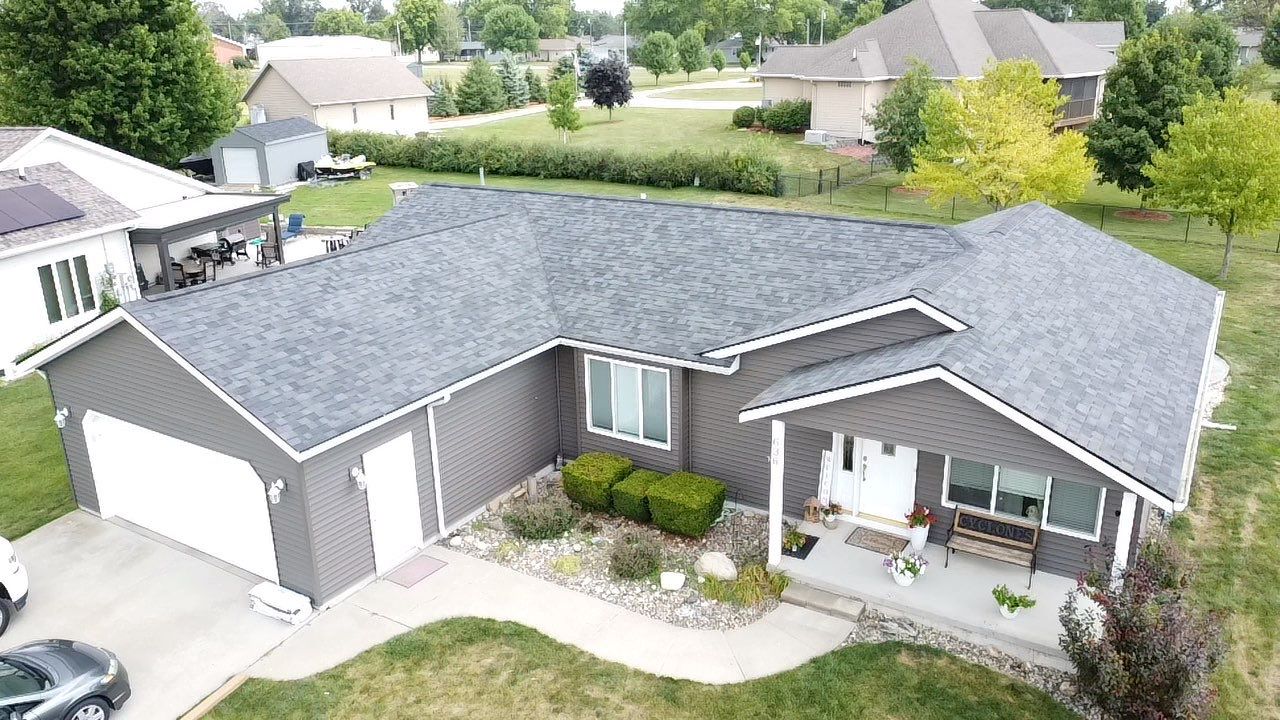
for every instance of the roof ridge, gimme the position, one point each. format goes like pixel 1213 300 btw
pixel 955 59
pixel 542 265
pixel 1030 19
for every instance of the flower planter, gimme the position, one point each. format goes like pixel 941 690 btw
pixel 1007 613
pixel 830 522
pixel 903 579
pixel 919 538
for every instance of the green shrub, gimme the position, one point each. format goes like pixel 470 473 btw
pixel 686 503
pixel 550 518
pixel 787 116
pixel 589 479
pixel 754 585
pixel 744 172
pixel 635 555
pixel 629 495
pixel 744 117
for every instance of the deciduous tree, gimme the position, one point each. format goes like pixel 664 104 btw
pixel 417 18
pixel 339 22
pixel 445 32
pixel 510 28
pixel 1270 48
pixel 691 53
pixel 744 60
pixel 867 12
pixel 718 60
pixel 562 112
pixel 1051 10
pixel 657 54
pixel 899 126
pixel 298 15
pixel 1132 12
pixel 1213 39
pixel 135 76
pixel 608 84
pixel 993 140
pixel 1223 162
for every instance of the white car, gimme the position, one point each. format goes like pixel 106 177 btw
pixel 13 584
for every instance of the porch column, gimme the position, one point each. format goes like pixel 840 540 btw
pixel 275 224
pixel 775 491
pixel 166 270
pixel 1124 534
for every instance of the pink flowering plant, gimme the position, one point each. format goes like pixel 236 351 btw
pixel 906 564
pixel 921 516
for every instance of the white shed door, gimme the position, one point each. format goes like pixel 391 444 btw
pixel 395 517
pixel 212 502
pixel 241 165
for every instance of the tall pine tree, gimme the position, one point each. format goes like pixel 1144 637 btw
pixel 514 83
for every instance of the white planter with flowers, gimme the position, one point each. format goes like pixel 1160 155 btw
pixel 1011 603
pixel 919 520
pixel 904 568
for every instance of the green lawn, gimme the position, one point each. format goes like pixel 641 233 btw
pixel 655 130
pixel 745 94
pixel 34 487
pixel 640 78
pixel 479 669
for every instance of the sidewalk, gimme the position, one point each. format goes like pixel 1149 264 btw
pixel 785 638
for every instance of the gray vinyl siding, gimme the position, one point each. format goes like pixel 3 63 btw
pixel 279 98
pixel 738 453
pixel 802 467
pixel 277 162
pixel 1056 554
pixel 122 374
pixel 567 378
pixel 581 440
pixel 496 433
pixel 339 511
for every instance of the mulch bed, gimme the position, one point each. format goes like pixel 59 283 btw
pixel 803 551
pixel 1144 215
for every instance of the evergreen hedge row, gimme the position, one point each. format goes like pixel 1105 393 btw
pixel 725 171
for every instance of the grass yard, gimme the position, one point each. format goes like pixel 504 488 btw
pixel 745 94
pixel 470 668
pixel 656 130
pixel 34 487
pixel 640 78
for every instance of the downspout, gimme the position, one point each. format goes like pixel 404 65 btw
pixel 435 461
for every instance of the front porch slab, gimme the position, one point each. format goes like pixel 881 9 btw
pixel 955 599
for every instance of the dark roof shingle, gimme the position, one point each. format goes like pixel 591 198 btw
pixel 99 208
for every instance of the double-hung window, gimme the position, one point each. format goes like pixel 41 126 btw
pixel 629 401
pixel 67 288
pixel 1058 505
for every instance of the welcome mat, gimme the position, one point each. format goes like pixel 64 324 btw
pixel 876 541
pixel 414 571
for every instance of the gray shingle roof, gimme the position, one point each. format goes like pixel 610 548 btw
pixel 12 139
pixel 1102 33
pixel 276 130
pixel 1094 339
pixel 955 38
pixel 326 81
pixel 99 208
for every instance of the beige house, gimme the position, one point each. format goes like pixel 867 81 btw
pixel 377 94
pixel 955 38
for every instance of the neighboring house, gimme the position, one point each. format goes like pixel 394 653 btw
pixel 955 38
pixel 1025 366
pixel 60 239
pixel 1249 44
pixel 312 47
pixel 371 93
pixel 472 49
pixel 1103 34
pixel 267 153
pixel 225 49
pixel 171 212
pixel 552 49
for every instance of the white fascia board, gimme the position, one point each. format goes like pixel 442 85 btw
pixel 100 230
pixel 650 357
pixel 907 303
pixel 67 342
pixel 15 160
pixel 1011 413
pixel 1193 438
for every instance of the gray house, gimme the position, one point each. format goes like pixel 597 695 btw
pixel 1024 367
pixel 267 153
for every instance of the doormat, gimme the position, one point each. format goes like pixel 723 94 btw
pixel 413 572
pixel 803 551
pixel 876 541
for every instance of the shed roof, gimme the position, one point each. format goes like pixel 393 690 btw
pixel 277 130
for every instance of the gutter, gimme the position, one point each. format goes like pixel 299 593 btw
pixel 1193 439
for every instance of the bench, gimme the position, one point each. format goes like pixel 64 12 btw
pixel 996 538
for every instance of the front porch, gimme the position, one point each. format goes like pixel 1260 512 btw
pixel 956 599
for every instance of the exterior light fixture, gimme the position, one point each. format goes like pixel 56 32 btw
pixel 357 477
pixel 60 417
pixel 274 490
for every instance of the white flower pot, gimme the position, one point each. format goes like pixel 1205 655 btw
pixel 830 522
pixel 903 579
pixel 1007 613
pixel 919 538
pixel 672 580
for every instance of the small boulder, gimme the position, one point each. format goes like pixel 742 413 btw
pixel 672 580
pixel 455 541
pixel 716 565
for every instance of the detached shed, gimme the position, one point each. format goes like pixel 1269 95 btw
pixel 267 153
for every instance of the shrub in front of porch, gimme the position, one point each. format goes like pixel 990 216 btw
pixel 686 503
pixel 589 480
pixel 629 495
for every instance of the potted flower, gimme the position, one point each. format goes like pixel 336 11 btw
pixel 905 568
pixel 831 515
pixel 793 540
pixel 919 520
pixel 1011 603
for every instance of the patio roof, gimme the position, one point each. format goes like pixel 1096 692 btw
pixel 202 213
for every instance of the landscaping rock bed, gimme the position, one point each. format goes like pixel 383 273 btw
pixel 741 536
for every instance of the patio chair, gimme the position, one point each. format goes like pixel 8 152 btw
pixel 294 227
pixel 143 282
pixel 225 252
pixel 179 274
pixel 267 254
pixel 240 248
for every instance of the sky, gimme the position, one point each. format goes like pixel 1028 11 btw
pixel 239 7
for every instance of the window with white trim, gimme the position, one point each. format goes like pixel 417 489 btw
pixel 628 401
pixel 67 288
pixel 1028 496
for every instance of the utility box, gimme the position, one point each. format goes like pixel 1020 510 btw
pixel 282 604
pixel 816 137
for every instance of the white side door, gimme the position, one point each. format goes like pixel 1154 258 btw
pixel 888 487
pixel 395 517
pixel 844 485
pixel 241 165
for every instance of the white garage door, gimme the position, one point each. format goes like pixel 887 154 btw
pixel 212 502
pixel 241 165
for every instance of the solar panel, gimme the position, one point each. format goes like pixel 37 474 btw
pixel 31 206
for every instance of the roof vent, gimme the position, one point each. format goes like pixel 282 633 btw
pixel 22 173
pixel 854 56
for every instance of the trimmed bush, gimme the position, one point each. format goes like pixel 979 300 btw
pixel 686 503
pixel 589 480
pixel 787 116
pixel 629 495
pixel 634 556
pixel 545 520
pixel 743 172
pixel 744 117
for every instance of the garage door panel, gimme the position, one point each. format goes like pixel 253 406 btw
pixel 241 165
pixel 212 502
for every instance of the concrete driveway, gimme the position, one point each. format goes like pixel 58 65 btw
pixel 181 624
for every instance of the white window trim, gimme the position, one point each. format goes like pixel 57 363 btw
pixel 613 364
pixel 1044 513
pixel 61 292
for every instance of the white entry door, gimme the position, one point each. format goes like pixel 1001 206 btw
pixel 395 517
pixel 873 479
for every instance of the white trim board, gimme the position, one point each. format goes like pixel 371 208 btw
pixel 1020 418
pixel 614 433
pixel 15 160
pixel 1193 438
pixel 73 237
pixel 839 321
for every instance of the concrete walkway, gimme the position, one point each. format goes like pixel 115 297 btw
pixel 785 638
